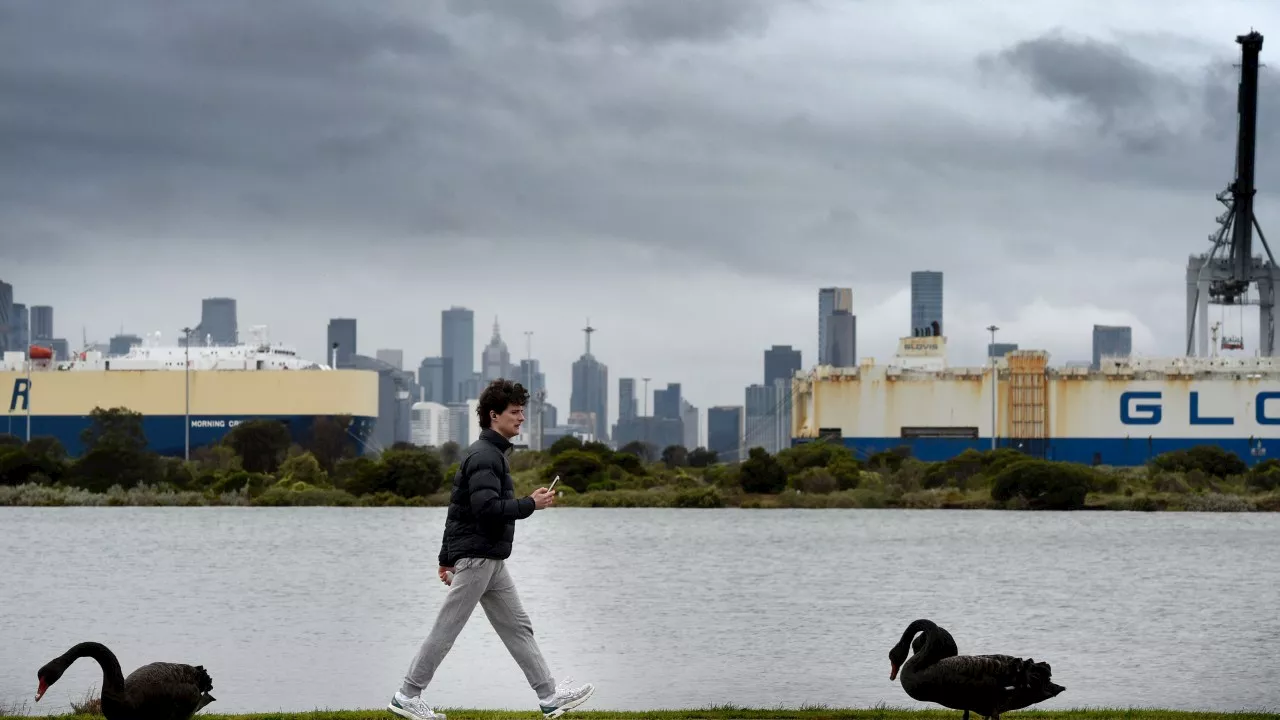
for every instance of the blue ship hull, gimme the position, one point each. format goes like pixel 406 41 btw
pixel 1102 451
pixel 165 432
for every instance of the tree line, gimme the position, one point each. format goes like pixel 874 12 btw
pixel 263 461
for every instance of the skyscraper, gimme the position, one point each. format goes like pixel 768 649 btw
pixel 999 350
pixel 20 338
pixel 218 324
pixel 780 362
pixel 435 375
pixel 532 377
pixel 343 332
pixel 391 356
pixel 590 392
pixel 7 323
pixel 458 346
pixel 830 300
pixel 121 344
pixel 761 418
pixel 666 403
pixel 724 432
pixel 1111 340
pixel 495 360
pixel 926 303
pixel 689 419
pixel 626 399
pixel 842 339
pixel 41 322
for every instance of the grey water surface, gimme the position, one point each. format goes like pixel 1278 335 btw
pixel 295 609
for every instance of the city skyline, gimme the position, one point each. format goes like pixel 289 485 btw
pixel 564 183
pixel 556 397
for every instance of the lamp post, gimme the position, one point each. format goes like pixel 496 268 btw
pixel 186 424
pixel 28 402
pixel 991 351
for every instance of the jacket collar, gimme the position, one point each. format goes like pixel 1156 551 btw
pixel 495 437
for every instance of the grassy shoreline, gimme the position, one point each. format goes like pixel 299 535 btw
pixel 258 467
pixel 36 495
pixel 736 713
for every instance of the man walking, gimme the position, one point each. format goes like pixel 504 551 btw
pixel 478 533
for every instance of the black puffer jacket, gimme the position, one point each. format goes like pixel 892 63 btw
pixel 483 508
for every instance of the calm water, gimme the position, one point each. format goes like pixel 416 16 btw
pixel 304 608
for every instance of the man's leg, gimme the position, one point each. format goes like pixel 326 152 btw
pixel 470 580
pixel 502 605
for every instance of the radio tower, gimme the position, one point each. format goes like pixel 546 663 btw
pixel 588 330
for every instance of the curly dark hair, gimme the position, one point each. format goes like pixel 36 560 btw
pixel 498 396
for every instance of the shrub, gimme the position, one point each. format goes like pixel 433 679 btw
pixel 816 480
pixel 242 481
pixel 761 473
pixel 1264 476
pixel 819 454
pixel 1044 485
pixel 578 469
pixel 889 460
pixel 723 476
pixel 1210 459
pixel 304 468
pixel 708 497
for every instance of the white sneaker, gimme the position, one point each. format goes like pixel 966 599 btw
pixel 565 698
pixel 414 708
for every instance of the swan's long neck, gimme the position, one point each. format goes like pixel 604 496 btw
pixel 112 676
pixel 925 656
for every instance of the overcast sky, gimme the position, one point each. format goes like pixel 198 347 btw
pixel 685 174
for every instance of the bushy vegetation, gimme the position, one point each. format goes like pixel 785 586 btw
pixel 259 463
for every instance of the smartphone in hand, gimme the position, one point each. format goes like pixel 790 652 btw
pixel 552 486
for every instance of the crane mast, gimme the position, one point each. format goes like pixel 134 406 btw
pixel 1224 274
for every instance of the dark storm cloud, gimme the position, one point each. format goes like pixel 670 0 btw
pixel 1151 108
pixel 549 126
pixel 1123 95
pixel 649 22
pixel 216 117
pixel 1101 75
pixel 607 144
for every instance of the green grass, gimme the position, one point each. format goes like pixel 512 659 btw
pixel 736 713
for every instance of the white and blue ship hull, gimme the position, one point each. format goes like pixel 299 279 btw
pixel 1124 414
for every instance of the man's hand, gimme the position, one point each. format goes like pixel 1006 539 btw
pixel 543 498
pixel 446 579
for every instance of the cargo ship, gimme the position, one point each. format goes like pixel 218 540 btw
pixel 1123 413
pixel 227 386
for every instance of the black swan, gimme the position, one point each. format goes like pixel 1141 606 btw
pixel 986 684
pixel 159 691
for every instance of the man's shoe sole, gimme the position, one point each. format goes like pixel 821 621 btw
pixel 569 705
pixel 410 716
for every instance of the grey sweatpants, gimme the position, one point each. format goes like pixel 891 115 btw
pixel 487 582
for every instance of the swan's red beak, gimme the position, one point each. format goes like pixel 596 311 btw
pixel 893 672
pixel 44 686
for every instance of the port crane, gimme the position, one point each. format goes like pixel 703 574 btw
pixel 1223 275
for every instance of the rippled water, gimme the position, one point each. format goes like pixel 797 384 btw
pixel 303 608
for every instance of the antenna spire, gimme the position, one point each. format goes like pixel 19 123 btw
pixel 588 330
pixel 528 344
